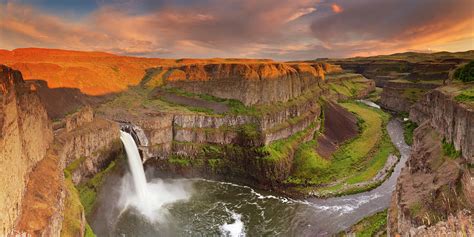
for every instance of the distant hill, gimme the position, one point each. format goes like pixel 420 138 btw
pixel 93 73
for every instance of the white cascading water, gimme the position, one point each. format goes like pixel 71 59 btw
pixel 135 163
pixel 148 197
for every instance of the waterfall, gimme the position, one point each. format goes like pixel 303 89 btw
pixel 135 163
pixel 148 198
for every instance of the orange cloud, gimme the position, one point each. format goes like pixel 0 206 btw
pixel 336 8
pixel 389 26
pixel 245 28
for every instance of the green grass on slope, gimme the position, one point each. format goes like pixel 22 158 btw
pixel 466 95
pixel 409 128
pixel 281 149
pixel 449 150
pixel 369 226
pixel 308 164
pixel 358 159
pixel 72 223
pixel 88 191
pixel 349 88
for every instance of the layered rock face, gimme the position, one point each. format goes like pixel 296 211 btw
pixel 252 83
pixel 400 96
pixel 349 85
pixel 454 120
pixel 233 140
pixel 435 191
pixel 83 146
pixel 90 143
pixel 432 188
pixel 25 136
pixel 382 71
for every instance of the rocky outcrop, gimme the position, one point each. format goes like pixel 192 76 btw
pixel 430 189
pixel 252 83
pixel 453 120
pixel 85 146
pixel 392 99
pixel 344 86
pixel 88 143
pixel 76 120
pixel 25 136
pixel 43 204
pixel 399 96
pixel 383 70
pixel 460 224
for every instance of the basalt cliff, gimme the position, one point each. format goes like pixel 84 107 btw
pixel 435 191
pixel 25 136
pixel 36 195
pixel 285 127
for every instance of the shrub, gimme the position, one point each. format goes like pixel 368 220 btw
pixel 449 150
pixel 408 132
pixel 465 73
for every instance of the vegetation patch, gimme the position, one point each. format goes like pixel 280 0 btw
pixel 465 73
pixel 281 149
pixel 466 95
pixel 235 106
pixel 88 190
pixel 374 96
pixel 369 226
pixel 409 128
pixel 308 163
pixel 358 160
pixel 72 224
pixel 413 94
pixel 349 88
pixel 449 150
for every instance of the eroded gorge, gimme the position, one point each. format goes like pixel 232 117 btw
pixel 239 147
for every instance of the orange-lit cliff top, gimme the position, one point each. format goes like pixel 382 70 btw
pixel 99 73
pixel 249 70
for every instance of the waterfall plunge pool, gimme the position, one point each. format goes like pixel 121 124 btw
pixel 196 207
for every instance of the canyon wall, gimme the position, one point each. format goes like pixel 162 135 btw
pixel 198 143
pixel 453 120
pixel 33 194
pixel 83 146
pixel 25 136
pixel 383 70
pixel 400 96
pixel 434 192
pixel 88 143
pixel 252 83
pixel 346 86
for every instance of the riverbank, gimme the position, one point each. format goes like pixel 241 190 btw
pixel 358 165
pixel 213 204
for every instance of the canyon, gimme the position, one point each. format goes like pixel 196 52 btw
pixel 294 129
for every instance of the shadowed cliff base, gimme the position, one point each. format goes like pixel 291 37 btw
pixel 59 102
pixel 340 125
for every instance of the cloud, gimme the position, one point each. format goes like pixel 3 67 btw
pixel 397 24
pixel 336 8
pixel 280 29
pixel 300 13
pixel 202 28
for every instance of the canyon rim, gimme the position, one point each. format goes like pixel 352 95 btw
pixel 236 118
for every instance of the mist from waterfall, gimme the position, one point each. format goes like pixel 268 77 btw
pixel 148 198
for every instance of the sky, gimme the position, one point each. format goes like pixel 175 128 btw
pixel 277 29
